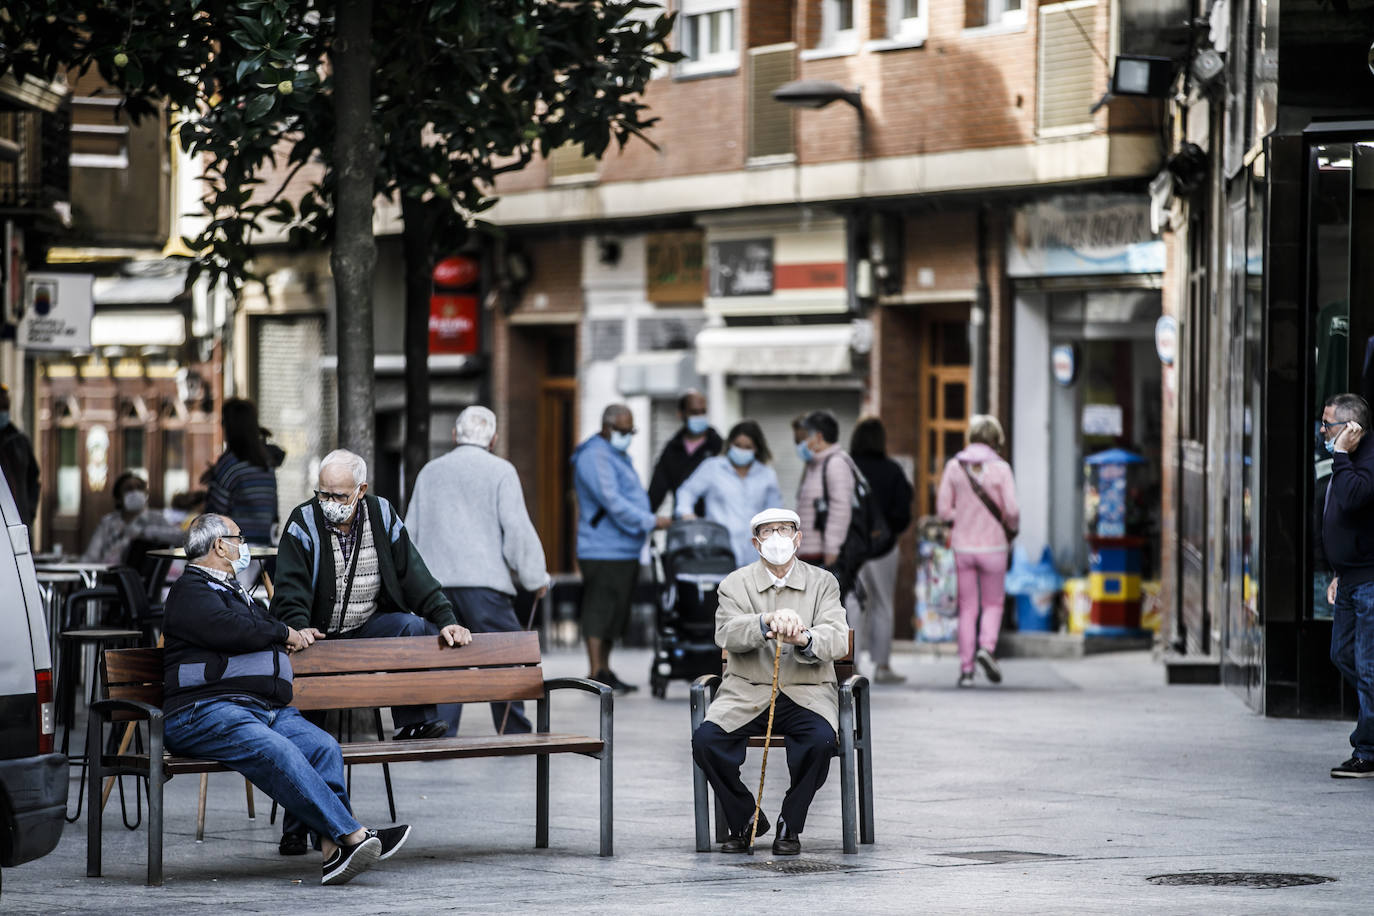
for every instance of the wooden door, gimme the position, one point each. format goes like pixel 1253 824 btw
pixel 557 512
pixel 944 401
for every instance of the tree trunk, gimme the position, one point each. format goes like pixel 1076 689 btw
pixel 355 250
pixel 416 239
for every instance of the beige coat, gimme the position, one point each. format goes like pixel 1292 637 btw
pixel 809 682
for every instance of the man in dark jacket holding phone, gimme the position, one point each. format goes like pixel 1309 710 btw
pixel 227 677
pixel 1348 536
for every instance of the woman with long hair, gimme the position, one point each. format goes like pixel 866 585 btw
pixel 243 482
pixel 735 486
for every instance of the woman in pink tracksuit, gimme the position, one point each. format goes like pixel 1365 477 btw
pixel 979 541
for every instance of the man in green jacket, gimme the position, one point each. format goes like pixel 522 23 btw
pixel 347 568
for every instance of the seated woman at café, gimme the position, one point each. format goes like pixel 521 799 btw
pixel 131 521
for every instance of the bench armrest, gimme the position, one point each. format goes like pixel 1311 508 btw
pixel 105 707
pixel 579 683
pixel 703 692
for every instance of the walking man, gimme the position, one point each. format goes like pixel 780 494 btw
pixel 1348 535
pixel 613 522
pixel 694 443
pixel 776 599
pixel 468 516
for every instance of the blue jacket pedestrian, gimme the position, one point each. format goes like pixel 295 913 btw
pixel 613 507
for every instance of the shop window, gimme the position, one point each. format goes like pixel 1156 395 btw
pixel 133 439
pixel 708 37
pixel 68 473
pixel 175 477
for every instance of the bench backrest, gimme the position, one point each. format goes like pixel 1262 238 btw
pixel 347 673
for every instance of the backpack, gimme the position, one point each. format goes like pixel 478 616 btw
pixel 868 536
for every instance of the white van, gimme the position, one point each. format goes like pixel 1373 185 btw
pixel 33 779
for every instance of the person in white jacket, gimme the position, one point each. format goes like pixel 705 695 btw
pixel 467 517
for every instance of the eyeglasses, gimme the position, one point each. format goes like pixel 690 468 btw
pixel 325 496
pixel 1326 425
pixel 232 537
pixel 767 531
pixel 631 431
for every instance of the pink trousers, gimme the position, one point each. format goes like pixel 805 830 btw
pixel 981 590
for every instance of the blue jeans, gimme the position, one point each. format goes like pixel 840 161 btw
pixel 1352 652
pixel 288 758
pixel 485 610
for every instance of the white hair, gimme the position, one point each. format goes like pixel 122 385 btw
pixel 202 534
pixel 475 426
pixel 354 462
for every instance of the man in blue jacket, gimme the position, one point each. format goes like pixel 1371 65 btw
pixel 1348 538
pixel 227 685
pixel 613 522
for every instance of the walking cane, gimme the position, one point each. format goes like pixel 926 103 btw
pixel 767 739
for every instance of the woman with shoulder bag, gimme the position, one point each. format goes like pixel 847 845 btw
pixel 977 496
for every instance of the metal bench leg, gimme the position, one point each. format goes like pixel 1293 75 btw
pixel 865 751
pixel 541 781
pixel 386 769
pixel 607 781
pixel 200 808
pixel 847 773
pixel 94 813
pixel 701 790
pixel 155 800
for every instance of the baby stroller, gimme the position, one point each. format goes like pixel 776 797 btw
pixel 696 556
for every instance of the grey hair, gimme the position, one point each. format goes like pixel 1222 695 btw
pixel 204 531
pixel 612 413
pixel 354 462
pixel 984 428
pixel 476 425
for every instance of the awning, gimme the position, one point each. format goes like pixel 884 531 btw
pixel 812 349
pixel 150 283
pixel 162 328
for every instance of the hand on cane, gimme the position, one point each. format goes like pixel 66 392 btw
pixel 785 626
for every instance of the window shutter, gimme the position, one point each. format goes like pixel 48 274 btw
pixel 770 121
pixel 567 161
pixel 1068 65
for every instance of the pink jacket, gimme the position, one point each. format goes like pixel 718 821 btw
pixel 975 527
pixel 840 478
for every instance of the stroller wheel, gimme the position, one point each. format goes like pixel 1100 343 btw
pixel 658 686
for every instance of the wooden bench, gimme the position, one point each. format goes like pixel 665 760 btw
pixel 856 757
pixel 345 674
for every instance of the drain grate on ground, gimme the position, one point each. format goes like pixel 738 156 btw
pixel 999 856
pixel 798 866
pixel 1256 879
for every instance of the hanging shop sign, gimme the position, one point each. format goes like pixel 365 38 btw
pixel 1064 363
pixel 742 268
pixel 457 272
pixel 453 323
pixel 1166 339
pixel 1074 235
pixel 675 267
pixel 55 312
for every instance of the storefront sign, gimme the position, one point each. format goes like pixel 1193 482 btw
pixel 742 268
pixel 1102 420
pixel 1084 234
pixel 1064 364
pixel 55 313
pixel 453 324
pixel 674 267
pixel 457 272
pixel 1166 339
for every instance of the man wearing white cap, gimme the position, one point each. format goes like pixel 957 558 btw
pixel 777 598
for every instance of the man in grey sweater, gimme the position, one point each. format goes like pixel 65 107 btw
pixel 468 519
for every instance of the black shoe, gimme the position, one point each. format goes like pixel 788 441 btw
pixel 393 838
pixel 348 862
pixel 787 842
pixel 293 844
pixel 989 666
pixel 1354 768
pixel 608 678
pixel 965 679
pixel 739 842
pixel 434 728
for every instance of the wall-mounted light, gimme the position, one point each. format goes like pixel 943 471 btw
pixel 1142 75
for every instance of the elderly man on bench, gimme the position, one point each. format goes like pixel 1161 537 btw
pixel 227 683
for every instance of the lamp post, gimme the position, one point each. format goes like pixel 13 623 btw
pixel 815 94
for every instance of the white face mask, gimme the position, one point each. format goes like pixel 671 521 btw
pixel 135 500
pixel 337 513
pixel 778 549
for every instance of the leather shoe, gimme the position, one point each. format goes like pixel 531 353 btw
pixel 739 842
pixel 293 844
pixel 434 728
pixel 787 842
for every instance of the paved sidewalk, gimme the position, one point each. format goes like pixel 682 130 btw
pixel 1061 791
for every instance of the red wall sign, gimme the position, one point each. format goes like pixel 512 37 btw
pixel 453 324
pixel 456 272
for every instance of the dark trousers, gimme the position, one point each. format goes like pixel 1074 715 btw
pixel 810 745
pixel 485 610
pixel 1352 652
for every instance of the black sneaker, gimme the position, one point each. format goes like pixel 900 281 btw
pixel 1354 768
pixel 434 728
pixel 348 862
pixel 393 838
pixel 608 677
pixel 965 679
pixel 989 666
pixel 293 844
